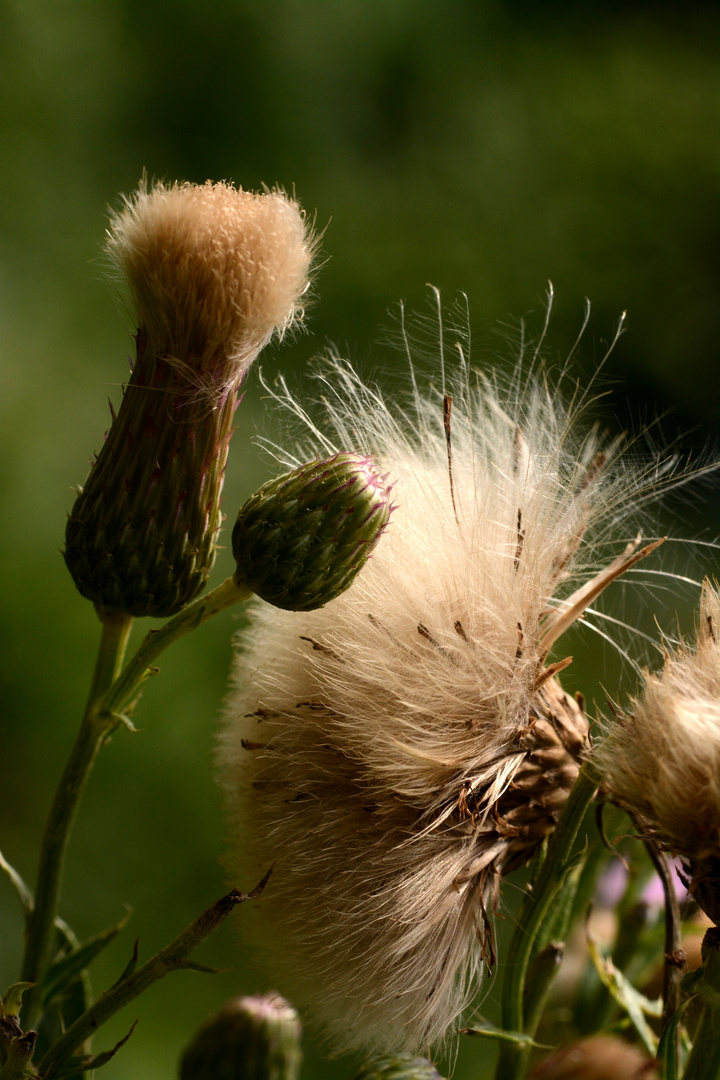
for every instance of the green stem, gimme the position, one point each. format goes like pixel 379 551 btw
pixel 674 957
pixel 93 730
pixel 124 689
pixel 539 979
pixel 704 1060
pixel 172 958
pixel 113 689
pixel 536 908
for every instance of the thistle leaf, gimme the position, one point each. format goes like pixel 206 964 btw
pixel 66 970
pixel 24 894
pixel 630 1000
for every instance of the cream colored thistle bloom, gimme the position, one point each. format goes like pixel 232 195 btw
pixel 398 751
pixel 213 272
pixel 662 760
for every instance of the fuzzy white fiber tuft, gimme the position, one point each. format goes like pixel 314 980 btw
pixel 662 761
pixel 213 271
pixel 394 753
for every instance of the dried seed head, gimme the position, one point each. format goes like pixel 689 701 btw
pixel 256 1038
pixel 212 271
pixel 302 538
pixel 396 752
pixel 662 760
pixel 598 1058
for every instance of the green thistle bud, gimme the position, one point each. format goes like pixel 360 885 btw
pixel 302 538
pixel 251 1038
pixel 213 272
pixel 399 1067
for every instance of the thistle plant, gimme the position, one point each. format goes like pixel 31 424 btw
pixel 400 736
pixel 213 273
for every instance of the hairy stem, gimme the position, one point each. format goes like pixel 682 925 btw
pixel 93 730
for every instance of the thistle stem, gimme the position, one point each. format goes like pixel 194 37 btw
pixel 535 909
pixel 173 957
pixel 674 956
pixel 93 731
pixel 122 691
pixel 113 689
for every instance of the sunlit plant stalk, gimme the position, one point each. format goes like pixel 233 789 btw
pixel 378 714
pixel 94 728
pixel 113 689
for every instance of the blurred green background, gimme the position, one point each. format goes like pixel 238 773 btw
pixel 479 146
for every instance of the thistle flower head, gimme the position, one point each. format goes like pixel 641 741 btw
pixel 661 761
pixel 212 271
pixel 302 538
pixel 398 751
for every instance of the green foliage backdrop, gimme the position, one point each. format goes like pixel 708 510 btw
pixel 480 146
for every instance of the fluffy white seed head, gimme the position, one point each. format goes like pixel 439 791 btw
pixel 394 753
pixel 662 760
pixel 213 271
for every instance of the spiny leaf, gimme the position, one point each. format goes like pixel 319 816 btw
pixel 76 1066
pixel 630 1000
pixel 192 965
pixel 65 970
pixel 130 966
pixel 492 1031
pixel 666 1056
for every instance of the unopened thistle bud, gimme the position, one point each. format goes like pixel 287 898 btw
pixel 661 761
pixel 397 752
pixel 598 1058
pixel 213 271
pixel 251 1038
pixel 399 1067
pixel 302 538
